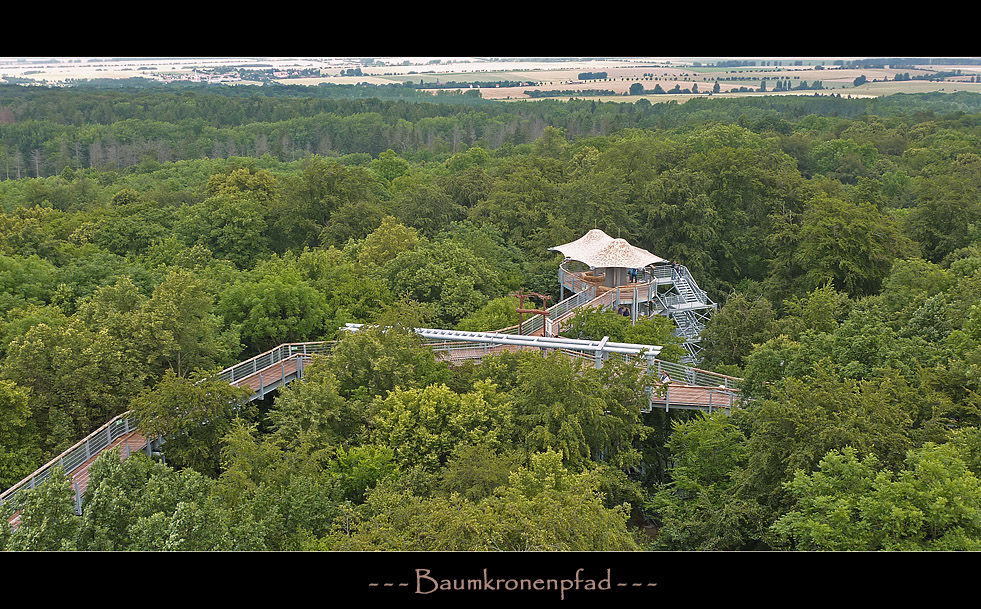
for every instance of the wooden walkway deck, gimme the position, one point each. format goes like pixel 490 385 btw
pixel 275 375
pixel 128 444
pixel 694 397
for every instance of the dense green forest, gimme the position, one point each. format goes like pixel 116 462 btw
pixel 150 237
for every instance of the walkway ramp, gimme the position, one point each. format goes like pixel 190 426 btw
pixel 120 432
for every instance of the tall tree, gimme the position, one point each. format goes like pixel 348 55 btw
pixel 47 520
pixel 934 503
pixel 193 414
pixel 177 326
pixel 853 244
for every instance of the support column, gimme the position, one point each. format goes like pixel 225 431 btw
pixel 599 352
pixel 633 308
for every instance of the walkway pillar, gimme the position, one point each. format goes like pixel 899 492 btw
pixel 633 309
pixel 599 352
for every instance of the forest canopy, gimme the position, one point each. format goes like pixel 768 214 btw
pixel 150 237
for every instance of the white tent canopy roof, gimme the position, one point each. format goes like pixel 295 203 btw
pixel 597 249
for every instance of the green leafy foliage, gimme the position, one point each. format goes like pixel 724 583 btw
pixel 447 274
pixel 934 503
pixel 424 426
pixel 47 517
pixel 543 508
pixel 275 307
pixel 193 413
pixel 163 236
pixel 78 379
pixel 376 360
pixel 178 325
pixel 701 507
pixel 18 435
pixel 809 416
pixel 851 244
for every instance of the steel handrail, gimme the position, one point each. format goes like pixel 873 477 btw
pixel 80 452
pixel 71 458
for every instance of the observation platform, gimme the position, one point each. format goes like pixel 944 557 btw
pixel 660 289
pixel 603 272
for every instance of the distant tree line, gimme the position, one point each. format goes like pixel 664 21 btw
pixel 469 84
pixel 536 93
pixel 43 130
pixel 735 63
pixel 900 62
pixel 786 85
pixel 638 89
pixel 938 75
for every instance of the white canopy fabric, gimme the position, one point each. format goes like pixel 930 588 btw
pixel 597 249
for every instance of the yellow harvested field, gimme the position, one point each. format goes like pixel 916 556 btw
pixel 547 74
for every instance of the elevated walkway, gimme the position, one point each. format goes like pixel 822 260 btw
pixel 120 432
pixel 678 386
pixel 273 369
pixel 263 373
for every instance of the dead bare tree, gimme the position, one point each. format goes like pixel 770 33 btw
pixel 36 160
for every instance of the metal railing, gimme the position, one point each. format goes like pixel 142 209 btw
pixel 121 425
pixel 674 301
pixel 712 391
pixel 83 450
pixel 659 272
pixel 273 356
pixel 686 290
pixel 676 372
pixel 572 280
pixel 553 325
pixel 686 280
pixel 689 375
pixel 571 303
pixel 586 299
pixel 718 399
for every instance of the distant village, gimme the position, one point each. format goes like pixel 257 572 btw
pixel 232 75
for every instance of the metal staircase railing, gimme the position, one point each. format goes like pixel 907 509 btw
pixel 273 356
pixel 686 286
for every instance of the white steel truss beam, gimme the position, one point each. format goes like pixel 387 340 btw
pixel 541 342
